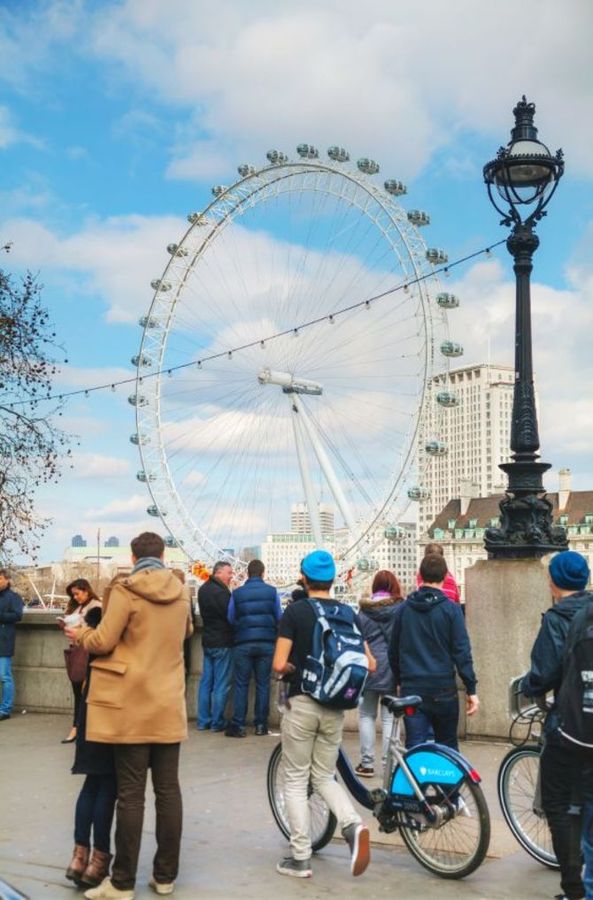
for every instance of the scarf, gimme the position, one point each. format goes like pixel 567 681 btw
pixel 148 562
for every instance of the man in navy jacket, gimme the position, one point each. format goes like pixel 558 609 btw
pixel 254 612
pixel 11 612
pixel 429 643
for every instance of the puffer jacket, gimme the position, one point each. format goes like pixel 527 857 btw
pixel 545 673
pixel 376 622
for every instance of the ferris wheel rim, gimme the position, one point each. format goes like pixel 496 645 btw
pixel 279 173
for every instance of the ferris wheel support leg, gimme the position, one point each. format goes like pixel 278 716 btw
pixel 326 466
pixel 310 497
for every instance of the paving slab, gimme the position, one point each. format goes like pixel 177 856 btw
pixel 231 842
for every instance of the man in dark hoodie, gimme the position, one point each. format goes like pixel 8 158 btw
pixel 429 642
pixel 561 765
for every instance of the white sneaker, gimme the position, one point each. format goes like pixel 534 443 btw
pixel 106 891
pixel 160 887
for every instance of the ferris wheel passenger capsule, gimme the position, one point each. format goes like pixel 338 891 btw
pixel 450 348
pixel 368 166
pixel 144 476
pixel 139 439
pixel 196 218
pixel 158 285
pixel 393 532
pixel 142 360
pixel 447 301
pixel 169 541
pixel 276 157
pixel 176 250
pixel 419 493
pixel 436 448
pixel 395 187
pixel 418 217
pixel 219 189
pixel 155 511
pixel 245 169
pixel 363 564
pixel 338 154
pixel 147 322
pixel 447 399
pixel 436 256
pixel 307 151
pixel 137 400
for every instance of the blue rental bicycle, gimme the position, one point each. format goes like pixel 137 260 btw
pixel 430 793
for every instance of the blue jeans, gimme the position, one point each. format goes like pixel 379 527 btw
pixel 256 658
pixel 94 809
pixel 437 718
pixel 214 687
pixel 587 844
pixel 7 685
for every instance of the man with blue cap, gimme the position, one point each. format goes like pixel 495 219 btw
pixel 561 765
pixel 311 731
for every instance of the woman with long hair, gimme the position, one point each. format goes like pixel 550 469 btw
pixel 376 619
pixel 82 598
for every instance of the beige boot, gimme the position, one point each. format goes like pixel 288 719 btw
pixel 106 891
pixel 97 868
pixel 78 863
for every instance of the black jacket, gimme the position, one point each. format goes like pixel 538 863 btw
pixel 11 612
pixel 429 642
pixel 545 673
pixel 213 602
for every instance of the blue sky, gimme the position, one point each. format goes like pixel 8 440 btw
pixel 116 118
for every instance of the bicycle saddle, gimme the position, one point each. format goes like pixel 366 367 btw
pixel 399 706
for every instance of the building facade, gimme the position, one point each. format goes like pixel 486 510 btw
pixel 476 434
pixel 300 521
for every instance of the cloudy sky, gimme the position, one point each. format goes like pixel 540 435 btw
pixel 116 118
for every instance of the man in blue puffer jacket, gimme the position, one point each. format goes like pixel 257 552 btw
pixel 561 765
pixel 429 643
pixel 254 612
pixel 11 612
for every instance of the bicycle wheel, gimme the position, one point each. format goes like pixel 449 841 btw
pixel 323 822
pixel 458 846
pixel 517 782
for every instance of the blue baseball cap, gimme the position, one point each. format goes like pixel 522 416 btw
pixel 319 566
pixel 569 571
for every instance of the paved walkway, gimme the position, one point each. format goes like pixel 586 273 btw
pixel 231 843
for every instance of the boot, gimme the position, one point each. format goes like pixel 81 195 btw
pixel 78 863
pixel 97 869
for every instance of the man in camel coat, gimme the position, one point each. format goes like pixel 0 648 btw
pixel 136 701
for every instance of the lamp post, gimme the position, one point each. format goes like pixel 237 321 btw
pixel 522 179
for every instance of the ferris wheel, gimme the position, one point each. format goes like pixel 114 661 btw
pixel 278 365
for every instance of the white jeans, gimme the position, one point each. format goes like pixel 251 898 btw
pixel 311 738
pixel 367 712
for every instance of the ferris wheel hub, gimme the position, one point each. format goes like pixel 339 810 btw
pixel 290 384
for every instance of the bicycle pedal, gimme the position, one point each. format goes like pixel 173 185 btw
pixel 378 795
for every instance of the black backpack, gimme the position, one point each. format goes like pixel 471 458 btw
pixel 575 698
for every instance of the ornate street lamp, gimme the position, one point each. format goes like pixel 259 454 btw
pixel 522 179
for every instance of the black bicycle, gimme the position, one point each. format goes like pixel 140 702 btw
pixel 430 793
pixel 518 779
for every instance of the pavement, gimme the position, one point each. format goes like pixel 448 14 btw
pixel 230 843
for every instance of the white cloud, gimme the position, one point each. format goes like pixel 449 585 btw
pixel 118 510
pixel 96 465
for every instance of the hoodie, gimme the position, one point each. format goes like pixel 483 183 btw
pixel 429 643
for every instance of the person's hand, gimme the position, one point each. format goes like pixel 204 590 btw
pixel 289 668
pixel 472 704
pixel 73 634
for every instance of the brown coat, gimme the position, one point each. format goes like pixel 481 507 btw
pixel 137 691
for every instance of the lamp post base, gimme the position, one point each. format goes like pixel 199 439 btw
pixel 526 527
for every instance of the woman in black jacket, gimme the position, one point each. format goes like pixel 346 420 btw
pixel 376 619
pixel 96 802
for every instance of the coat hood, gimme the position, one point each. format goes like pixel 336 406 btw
pixel 155 585
pixel 425 599
pixel 568 606
pixel 381 611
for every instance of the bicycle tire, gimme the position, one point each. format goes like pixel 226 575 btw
pixel 517 778
pixel 441 850
pixel 323 821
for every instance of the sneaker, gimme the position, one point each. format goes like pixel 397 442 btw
pixel 106 891
pixel 161 887
pixel 261 730
pixel 365 771
pixel 358 839
pixel 235 731
pixel 4 717
pixel 298 868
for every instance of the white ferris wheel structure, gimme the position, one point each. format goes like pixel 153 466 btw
pixel 288 354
